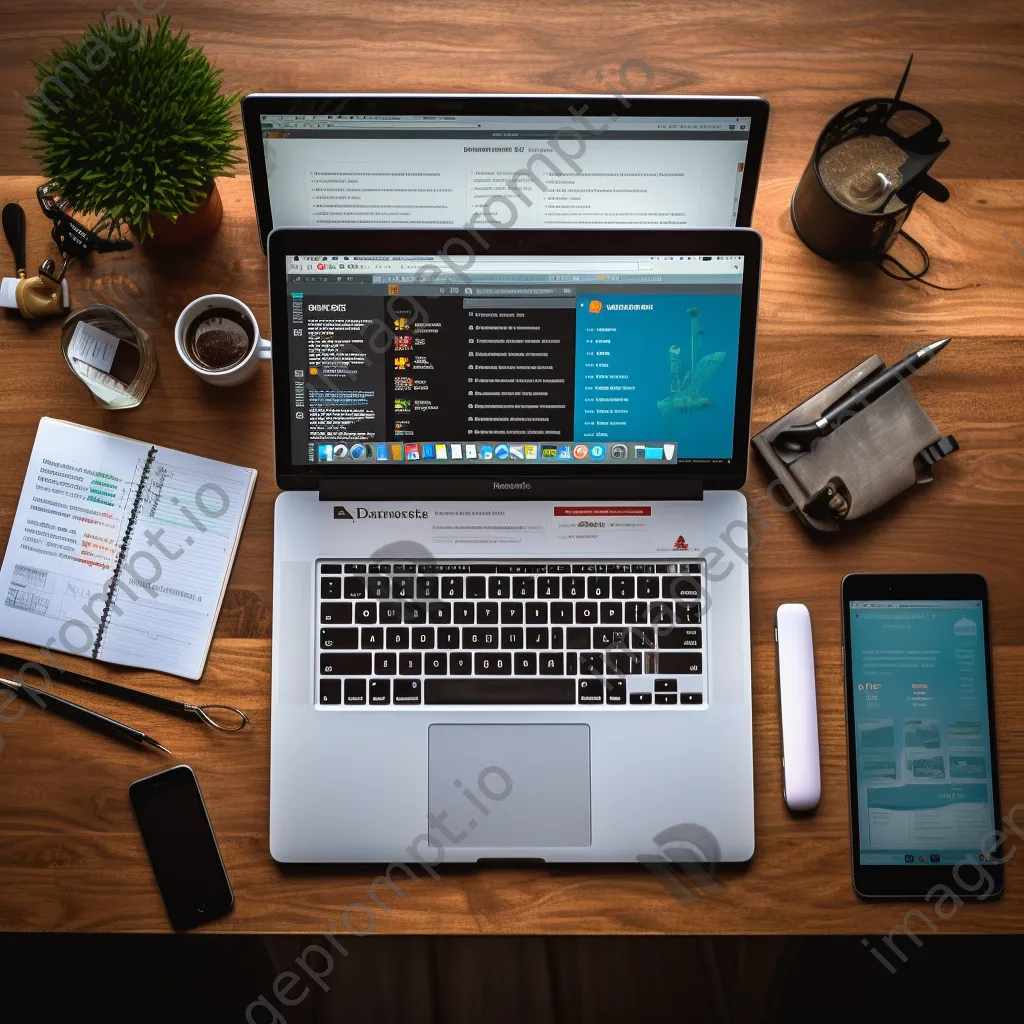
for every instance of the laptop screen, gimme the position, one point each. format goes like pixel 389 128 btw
pixel 493 171
pixel 557 361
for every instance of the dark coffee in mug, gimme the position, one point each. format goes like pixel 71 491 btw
pixel 219 338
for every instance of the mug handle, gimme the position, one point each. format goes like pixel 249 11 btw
pixel 264 346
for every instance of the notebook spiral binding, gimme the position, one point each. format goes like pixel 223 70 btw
pixel 115 577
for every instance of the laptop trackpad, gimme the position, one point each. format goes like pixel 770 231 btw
pixel 509 786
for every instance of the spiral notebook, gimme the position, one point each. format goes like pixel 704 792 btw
pixel 120 551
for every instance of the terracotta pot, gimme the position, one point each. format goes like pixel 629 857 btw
pixel 191 229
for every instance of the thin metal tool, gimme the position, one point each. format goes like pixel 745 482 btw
pixel 84 716
pixel 235 719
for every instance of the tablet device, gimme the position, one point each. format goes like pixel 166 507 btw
pixel 920 721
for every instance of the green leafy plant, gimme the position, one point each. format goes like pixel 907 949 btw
pixel 128 122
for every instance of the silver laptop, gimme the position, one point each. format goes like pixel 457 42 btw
pixel 454 161
pixel 510 556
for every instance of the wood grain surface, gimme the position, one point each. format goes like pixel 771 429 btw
pixel 70 854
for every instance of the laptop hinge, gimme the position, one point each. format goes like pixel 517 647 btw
pixel 558 488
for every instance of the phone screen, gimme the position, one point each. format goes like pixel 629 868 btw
pixel 181 846
pixel 924 771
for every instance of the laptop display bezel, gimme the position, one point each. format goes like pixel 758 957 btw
pixel 595 107
pixel 730 474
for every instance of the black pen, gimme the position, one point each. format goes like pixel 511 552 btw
pixel 800 438
pixel 91 719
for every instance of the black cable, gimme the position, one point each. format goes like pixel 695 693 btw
pixel 920 275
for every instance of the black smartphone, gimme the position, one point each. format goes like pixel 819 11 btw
pixel 181 846
pixel 920 724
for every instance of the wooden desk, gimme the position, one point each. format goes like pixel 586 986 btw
pixel 70 854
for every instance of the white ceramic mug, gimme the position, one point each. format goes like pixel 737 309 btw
pixel 240 371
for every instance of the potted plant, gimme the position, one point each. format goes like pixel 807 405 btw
pixel 132 126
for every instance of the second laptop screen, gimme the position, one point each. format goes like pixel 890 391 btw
pixel 555 360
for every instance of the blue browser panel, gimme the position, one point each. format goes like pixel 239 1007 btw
pixel 658 367
pixel 921 714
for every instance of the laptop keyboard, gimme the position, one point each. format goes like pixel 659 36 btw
pixel 395 634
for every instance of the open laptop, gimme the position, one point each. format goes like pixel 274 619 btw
pixel 480 162
pixel 510 574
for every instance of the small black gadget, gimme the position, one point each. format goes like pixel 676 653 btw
pixel 181 846
pixel 920 722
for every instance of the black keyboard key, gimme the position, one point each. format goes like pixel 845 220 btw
pixel 665 685
pixel 639 698
pixel 410 664
pixel 512 612
pixel 642 638
pixel 397 638
pixel 688 611
pixel 342 664
pixel 465 611
pixel 689 698
pixel 499 586
pixel 624 663
pixel 611 612
pixel 560 568
pixel 356 567
pixel 669 567
pixel 577 637
pixel 574 587
pixel 591 691
pixel 536 611
pixel 496 663
pixel 479 638
pixel 592 664
pixel 561 611
pixel 427 587
pixel 679 587
pixel 423 638
pixel 636 611
pixel 403 568
pixel 537 638
pixel 557 638
pixel 551 664
pixel 514 690
pixel 330 691
pixel 615 691
pixel 679 662
pixel 570 662
pixel 439 612
pixel 451 588
pixel 330 569
pixel 680 638
pixel 366 613
pixel 461 664
pixel 402 587
pixel 547 586
pixel 336 612
pixel 435 663
pixel 586 612
pixel 339 639
pixel 414 611
pixel 512 637
pixel 385 663
pixel 645 567
pixel 604 637
pixel 378 568
pixel 355 691
pixel 661 613
pixel 390 611
pixel 380 691
pixel 665 698
pixel 330 588
pixel 407 691
pixel 623 587
pixel 647 586
pixel 522 586
pixel 378 587
pixel 487 612
pixel 355 587
pixel 599 588
pixel 448 637
pixel 524 663
pixel 476 586
pixel 372 638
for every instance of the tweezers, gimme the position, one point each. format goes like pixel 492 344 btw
pixel 182 709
